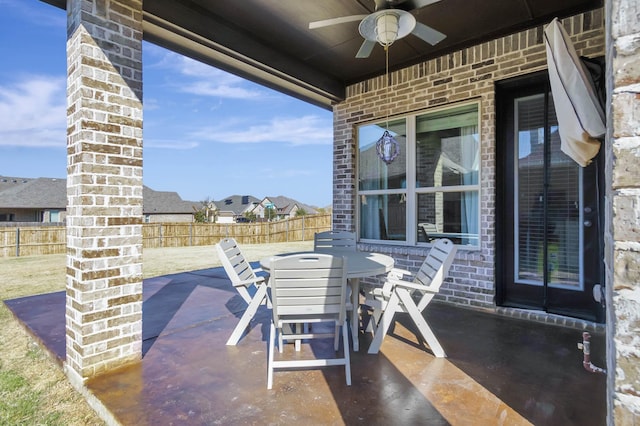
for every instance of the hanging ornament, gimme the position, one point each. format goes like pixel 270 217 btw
pixel 387 148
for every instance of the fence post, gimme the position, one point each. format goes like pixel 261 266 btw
pixel 17 242
pixel 287 230
pixel 303 227
pixel 190 234
pixel 160 235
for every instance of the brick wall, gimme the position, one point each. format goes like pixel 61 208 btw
pixel 622 236
pixel 463 75
pixel 104 186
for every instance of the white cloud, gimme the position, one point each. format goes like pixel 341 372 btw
pixel 33 112
pixel 169 144
pixel 192 68
pixel 306 130
pixel 204 80
pixel 216 89
pixel 150 104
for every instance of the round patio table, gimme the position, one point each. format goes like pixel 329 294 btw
pixel 359 265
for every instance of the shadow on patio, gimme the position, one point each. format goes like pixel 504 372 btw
pixel 498 371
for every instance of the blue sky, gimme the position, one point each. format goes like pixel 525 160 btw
pixel 207 133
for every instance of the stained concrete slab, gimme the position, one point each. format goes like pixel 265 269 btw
pixel 498 371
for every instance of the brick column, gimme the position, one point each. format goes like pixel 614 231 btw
pixel 344 179
pixel 104 186
pixel 623 212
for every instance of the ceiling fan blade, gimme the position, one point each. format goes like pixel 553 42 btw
pixel 410 5
pixel 334 21
pixel 365 49
pixel 428 34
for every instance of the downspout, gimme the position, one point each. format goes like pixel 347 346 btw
pixel 586 350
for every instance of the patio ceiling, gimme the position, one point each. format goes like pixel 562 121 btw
pixel 269 41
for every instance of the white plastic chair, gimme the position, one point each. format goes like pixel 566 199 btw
pixel 251 287
pixel 308 288
pixel 330 242
pixel 396 295
pixel 334 240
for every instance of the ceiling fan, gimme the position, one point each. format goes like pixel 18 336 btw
pixel 392 20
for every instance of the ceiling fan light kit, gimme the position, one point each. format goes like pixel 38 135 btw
pixel 386 29
pixel 387 26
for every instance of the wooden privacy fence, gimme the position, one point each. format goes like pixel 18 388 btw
pixel 39 240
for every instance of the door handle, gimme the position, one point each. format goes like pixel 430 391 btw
pixel 587 223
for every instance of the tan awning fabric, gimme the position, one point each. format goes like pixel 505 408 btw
pixel 581 119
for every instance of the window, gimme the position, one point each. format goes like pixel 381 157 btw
pixel 548 200
pixel 6 217
pixel 432 188
pixel 54 216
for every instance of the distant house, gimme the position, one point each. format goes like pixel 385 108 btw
pixel 163 206
pixel 232 209
pixel 280 207
pixel 44 200
pixel 33 200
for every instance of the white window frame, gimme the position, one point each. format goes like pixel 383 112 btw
pixel 54 214
pixel 410 191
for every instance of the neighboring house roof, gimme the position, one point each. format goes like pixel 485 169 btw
pixel 163 202
pixel 237 204
pixel 38 193
pixel 51 193
pixel 284 205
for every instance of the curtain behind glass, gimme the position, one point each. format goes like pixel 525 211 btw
pixel 383 217
pixel 373 173
pixel 470 166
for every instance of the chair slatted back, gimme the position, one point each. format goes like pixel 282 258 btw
pixel 308 285
pixel 334 240
pixel 435 267
pixel 437 262
pixel 234 261
pixel 240 273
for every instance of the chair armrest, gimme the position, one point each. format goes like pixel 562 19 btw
pixel 397 273
pixel 380 292
pixel 246 283
pixel 413 286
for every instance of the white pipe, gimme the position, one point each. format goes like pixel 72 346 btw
pixel 586 350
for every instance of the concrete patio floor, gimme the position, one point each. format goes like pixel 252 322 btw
pixel 499 371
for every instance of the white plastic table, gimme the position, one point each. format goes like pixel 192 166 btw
pixel 359 265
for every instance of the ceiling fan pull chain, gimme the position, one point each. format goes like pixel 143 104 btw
pixel 387 147
pixel 388 82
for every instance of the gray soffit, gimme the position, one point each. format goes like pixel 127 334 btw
pixel 269 41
